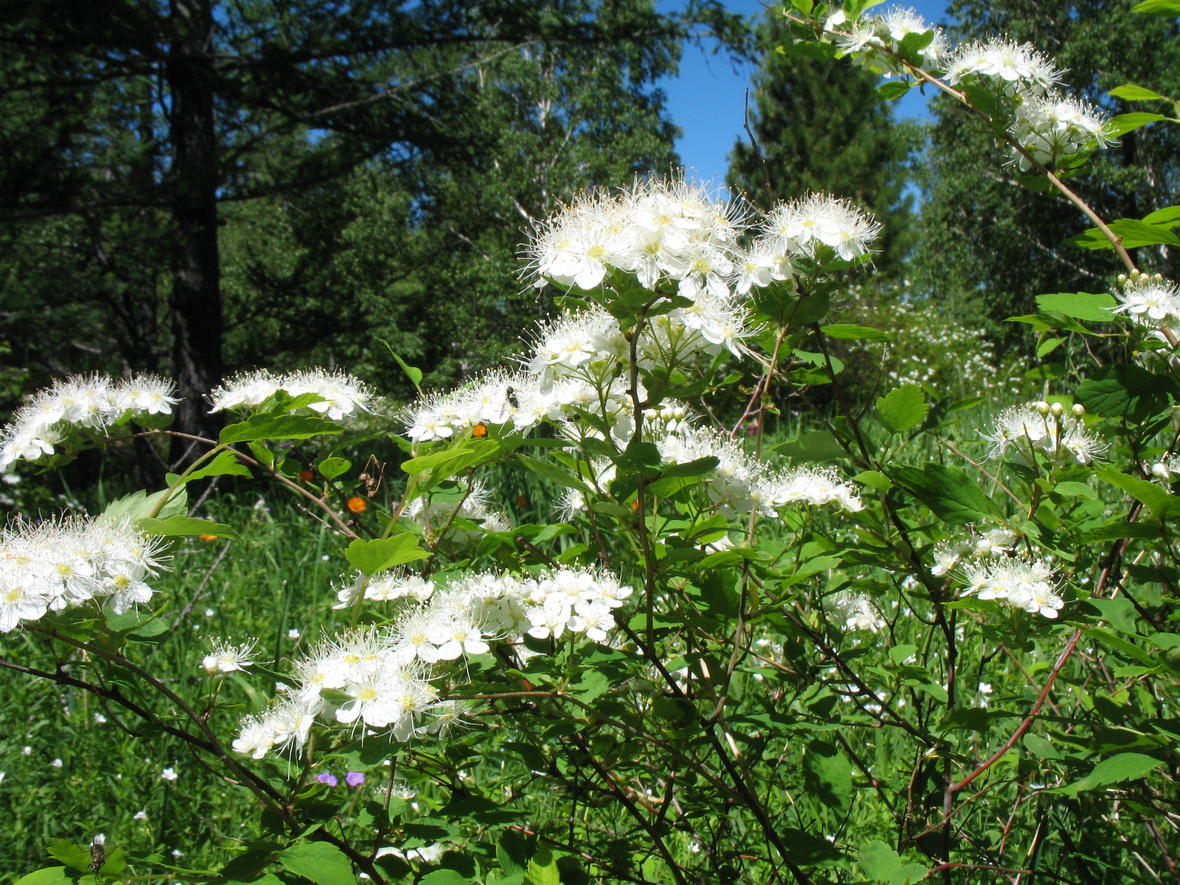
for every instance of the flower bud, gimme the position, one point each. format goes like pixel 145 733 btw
pixel 1042 407
pixel 1078 410
pixel 1057 410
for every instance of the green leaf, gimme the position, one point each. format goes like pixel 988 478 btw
pixel 225 464
pixel 949 492
pixel 1113 770
pixel 1087 306
pixel 854 332
pixel 379 554
pixel 1157 499
pixel 414 374
pixel 47 876
pixel 74 856
pixel 903 407
pixel 815 445
pixel 804 6
pixel 1131 92
pixel 1075 490
pixel 139 504
pixel 882 864
pixel 512 852
pixel 278 427
pixel 1131 233
pixel 810 850
pixel 891 90
pixel 543 868
pixel 444 877
pixel 322 863
pixel 1124 123
pixel 1157 7
pixel 185 526
pixel 330 468
pixel 827 775
pixel 1126 391
pixel 1168 216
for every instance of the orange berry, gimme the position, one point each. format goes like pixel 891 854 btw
pixel 479 431
pixel 306 476
pixel 357 504
pixel 208 538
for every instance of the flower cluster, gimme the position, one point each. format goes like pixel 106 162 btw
pixel 339 394
pixel 855 610
pixel 992 543
pixel 1055 126
pixel 675 236
pixel 1023 582
pixel 385 680
pixel 95 403
pixel 53 565
pixel 742 484
pixel 439 514
pixel 1018 68
pixel 874 40
pixel 1047 125
pixel 1041 427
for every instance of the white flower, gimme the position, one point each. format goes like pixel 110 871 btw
pixel 1017 68
pixel 168 774
pixel 1054 126
pixel 801 225
pixel 856 610
pixel 226 658
pixel 1149 300
pixel 337 395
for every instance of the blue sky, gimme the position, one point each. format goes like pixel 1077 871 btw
pixel 707 99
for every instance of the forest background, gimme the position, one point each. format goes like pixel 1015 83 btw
pixel 207 187
pixel 201 187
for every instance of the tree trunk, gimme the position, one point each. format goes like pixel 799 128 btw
pixel 195 303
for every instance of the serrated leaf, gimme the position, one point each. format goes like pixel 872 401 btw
pixel 1087 306
pixel 1113 770
pixel 1125 391
pixel 185 526
pixel 543 868
pixel 1131 92
pixel 278 427
pixel 903 407
pixel 140 504
pixel 321 862
pixel 950 493
pixel 225 464
pixel 379 554
pixel 76 857
pixel 882 864
pixel 552 472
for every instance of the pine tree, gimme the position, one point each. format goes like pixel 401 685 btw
pixel 821 126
